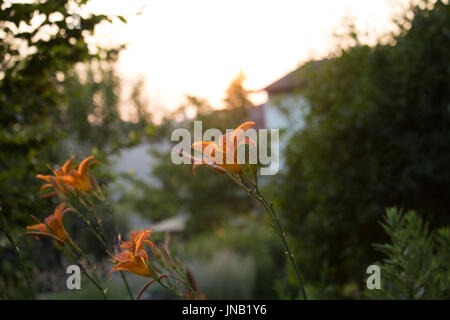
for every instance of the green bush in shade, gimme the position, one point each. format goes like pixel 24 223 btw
pixel 417 262
pixel 376 136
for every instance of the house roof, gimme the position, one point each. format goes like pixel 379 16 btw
pixel 293 80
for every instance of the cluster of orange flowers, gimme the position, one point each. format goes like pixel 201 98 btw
pixel 70 180
pixel 64 180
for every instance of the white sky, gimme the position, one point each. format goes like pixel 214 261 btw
pixel 198 46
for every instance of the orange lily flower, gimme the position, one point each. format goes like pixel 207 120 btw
pixel 217 154
pixel 133 258
pixel 137 240
pixel 129 262
pixel 53 226
pixel 79 179
pixel 64 170
pixel 69 177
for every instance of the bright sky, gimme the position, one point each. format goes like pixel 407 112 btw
pixel 198 46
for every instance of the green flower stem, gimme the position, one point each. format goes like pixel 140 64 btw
pixel 95 232
pixel 269 208
pixel 254 192
pixel 184 279
pixel 144 288
pixel 105 241
pixel 10 237
pixel 94 280
pixel 197 297
pixel 103 238
pixel 127 286
pixel 159 280
pixel 122 274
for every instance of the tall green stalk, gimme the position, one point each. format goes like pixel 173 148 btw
pixel 269 208
pixel 122 274
pixel 253 191
pixel 10 237
pixel 71 247
pixel 104 239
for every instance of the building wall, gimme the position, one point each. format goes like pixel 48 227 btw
pixel 285 112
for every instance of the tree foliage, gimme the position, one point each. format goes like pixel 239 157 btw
pixel 38 47
pixel 91 116
pixel 376 136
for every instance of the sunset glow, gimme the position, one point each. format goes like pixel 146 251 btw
pixel 197 47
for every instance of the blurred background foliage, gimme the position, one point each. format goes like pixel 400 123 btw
pixel 417 265
pixel 376 136
pixel 207 198
pixel 51 107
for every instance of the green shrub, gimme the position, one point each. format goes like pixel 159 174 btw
pixel 376 136
pixel 417 263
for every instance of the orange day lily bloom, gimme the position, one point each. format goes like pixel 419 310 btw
pixel 53 226
pixel 79 179
pixel 126 261
pixel 218 154
pixel 69 177
pixel 133 258
pixel 137 240
pixel 64 170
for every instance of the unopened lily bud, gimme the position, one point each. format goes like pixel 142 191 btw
pixel 156 253
pixel 97 190
pixel 166 256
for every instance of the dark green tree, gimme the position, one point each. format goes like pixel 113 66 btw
pixel 34 61
pixel 376 136
pixel 41 42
